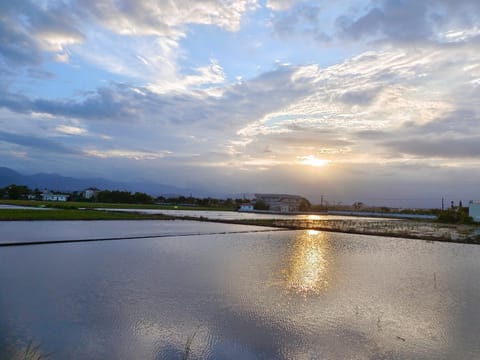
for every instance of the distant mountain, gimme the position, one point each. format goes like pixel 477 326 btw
pixel 63 183
pixel 8 176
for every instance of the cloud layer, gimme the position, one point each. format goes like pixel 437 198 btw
pixel 112 87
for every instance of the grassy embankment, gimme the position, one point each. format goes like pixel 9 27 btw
pixel 93 205
pixel 86 211
pixel 74 214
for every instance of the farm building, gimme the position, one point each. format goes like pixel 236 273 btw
pixel 280 202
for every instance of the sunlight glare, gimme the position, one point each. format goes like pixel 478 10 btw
pixel 307 269
pixel 312 160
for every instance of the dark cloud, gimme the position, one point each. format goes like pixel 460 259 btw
pixel 17 46
pixel 405 21
pixel 25 27
pixel 454 135
pixel 118 102
pixel 359 97
pixel 37 143
pixel 239 104
pixel 468 147
pixel 393 19
pixel 459 122
pixel 302 19
pixel 409 21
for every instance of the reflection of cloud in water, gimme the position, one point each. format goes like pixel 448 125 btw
pixel 306 271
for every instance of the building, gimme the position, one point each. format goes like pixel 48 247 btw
pixel 246 207
pixel 280 202
pixel 474 210
pixel 49 196
pixel 90 193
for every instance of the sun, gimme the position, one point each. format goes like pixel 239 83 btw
pixel 312 160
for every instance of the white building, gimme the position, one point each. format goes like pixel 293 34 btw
pixel 246 207
pixel 474 210
pixel 90 193
pixel 48 196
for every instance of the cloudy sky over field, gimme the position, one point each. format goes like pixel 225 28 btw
pixel 375 101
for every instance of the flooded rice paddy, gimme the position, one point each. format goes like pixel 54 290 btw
pixel 223 291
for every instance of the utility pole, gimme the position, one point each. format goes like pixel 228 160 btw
pixel 443 205
pixel 321 201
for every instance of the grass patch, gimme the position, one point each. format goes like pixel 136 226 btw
pixel 92 205
pixel 73 214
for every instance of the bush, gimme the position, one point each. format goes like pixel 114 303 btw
pixel 455 217
pixel 261 205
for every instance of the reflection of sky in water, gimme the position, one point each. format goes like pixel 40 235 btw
pixel 307 269
pixel 275 295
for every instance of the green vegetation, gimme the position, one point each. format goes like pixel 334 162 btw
pixel 455 216
pixel 15 191
pixel 93 205
pixel 125 197
pixel 73 214
pixel 261 205
pixel 305 205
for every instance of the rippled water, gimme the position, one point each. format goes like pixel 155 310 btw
pixel 266 295
pixel 235 215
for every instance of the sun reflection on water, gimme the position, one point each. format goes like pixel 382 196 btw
pixel 307 268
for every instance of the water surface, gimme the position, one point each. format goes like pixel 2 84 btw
pixel 236 215
pixel 267 295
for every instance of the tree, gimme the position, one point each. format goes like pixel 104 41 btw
pixel 261 205
pixel 304 205
pixel 142 198
pixel 17 191
pixel 229 203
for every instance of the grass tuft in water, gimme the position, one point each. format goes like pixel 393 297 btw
pixel 188 346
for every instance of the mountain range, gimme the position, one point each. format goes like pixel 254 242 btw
pixel 64 183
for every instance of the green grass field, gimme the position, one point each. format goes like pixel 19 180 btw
pixel 74 214
pixel 92 205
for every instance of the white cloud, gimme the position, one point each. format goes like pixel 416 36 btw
pixel 279 5
pixel 205 76
pixel 376 92
pixel 127 154
pixel 71 130
pixel 165 18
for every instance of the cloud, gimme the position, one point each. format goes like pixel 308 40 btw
pixel 278 5
pixel 410 21
pixel 126 153
pixel 148 17
pixel 37 143
pixel 359 97
pixel 71 130
pixel 135 39
pixel 303 20
pixel 453 136
pixel 234 106
pixel 407 22
pixel 387 109
pixel 18 48
pixel 28 29
pixel 443 147
pixel 350 112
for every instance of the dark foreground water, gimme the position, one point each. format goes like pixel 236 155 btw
pixel 261 295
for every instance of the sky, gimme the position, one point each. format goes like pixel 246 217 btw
pixel 374 101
